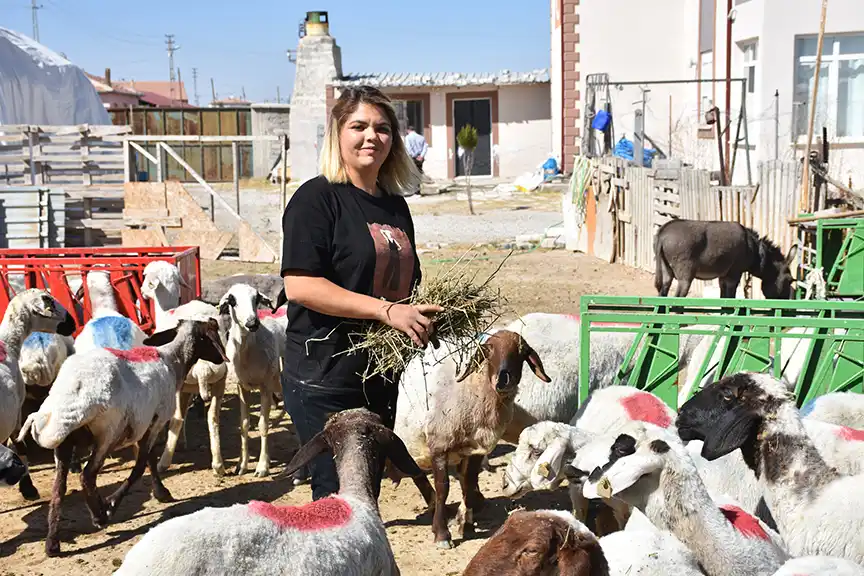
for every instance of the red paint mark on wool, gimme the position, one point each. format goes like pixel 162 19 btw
pixel 744 522
pixel 850 434
pixel 645 407
pixel 279 313
pixel 321 514
pixel 2 351
pixel 139 354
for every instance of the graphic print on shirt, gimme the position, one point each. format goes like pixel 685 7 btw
pixel 394 262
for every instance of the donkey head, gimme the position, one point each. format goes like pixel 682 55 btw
pixel 777 279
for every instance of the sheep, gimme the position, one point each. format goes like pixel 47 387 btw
pixel 107 328
pixel 550 542
pixel 161 284
pixel 12 468
pixel 840 408
pixel 556 339
pixel 41 357
pixel 256 343
pixel 341 535
pixel 650 468
pixel 109 399
pixel 445 421
pixel 269 285
pixel 818 510
pixel 819 566
pixel 29 311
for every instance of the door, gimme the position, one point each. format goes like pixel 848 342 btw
pixel 478 113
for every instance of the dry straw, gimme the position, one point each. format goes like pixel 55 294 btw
pixel 470 308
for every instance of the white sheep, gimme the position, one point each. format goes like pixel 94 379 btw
pixel 41 357
pixel 12 468
pixel 107 328
pixel 556 338
pixel 649 468
pixel 449 419
pixel 256 343
pixel 819 566
pixel 29 311
pixel 108 399
pixel 341 535
pixel 818 510
pixel 161 284
pixel 840 408
pixel 554 542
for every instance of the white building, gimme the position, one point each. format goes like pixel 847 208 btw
pixel 773 48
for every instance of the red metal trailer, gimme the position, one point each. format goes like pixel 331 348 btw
pixel 51 268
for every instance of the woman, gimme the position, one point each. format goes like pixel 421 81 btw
pixel 348 255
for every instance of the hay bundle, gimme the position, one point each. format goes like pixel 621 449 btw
pixel 470 308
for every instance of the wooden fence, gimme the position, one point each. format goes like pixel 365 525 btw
pixel 86 161
pixel 632 202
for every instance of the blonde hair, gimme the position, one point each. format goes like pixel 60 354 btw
pixel 398 171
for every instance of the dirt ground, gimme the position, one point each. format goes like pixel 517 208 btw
pixel 550 281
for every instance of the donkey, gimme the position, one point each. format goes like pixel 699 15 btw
pixel 689 249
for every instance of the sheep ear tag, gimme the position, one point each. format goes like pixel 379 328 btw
pixel 604 488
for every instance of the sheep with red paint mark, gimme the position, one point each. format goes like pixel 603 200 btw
pixel 109 399
pixel 818 510
pixel 650 469
pixel 341 535
pixel 840 408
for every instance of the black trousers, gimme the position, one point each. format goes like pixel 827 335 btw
pixel 309 406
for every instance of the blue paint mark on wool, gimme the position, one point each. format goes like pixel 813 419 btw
pixel 112 332
pixel 808 407
pixel 39 340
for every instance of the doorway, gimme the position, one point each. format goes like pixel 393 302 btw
pixel 478 113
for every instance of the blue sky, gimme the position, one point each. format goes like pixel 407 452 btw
pixel 245 47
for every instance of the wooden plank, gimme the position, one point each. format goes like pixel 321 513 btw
pixel 666 196
pixel 202 139
pixel 168 221
pixel 210 243
pixel 607 169
pixel 667 209
pixel 145 196
pixel 143 152
pixel 147 237
pixel 145 213
pixel 621 182
pixel 660 219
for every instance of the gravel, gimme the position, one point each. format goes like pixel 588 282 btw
pixel 261 209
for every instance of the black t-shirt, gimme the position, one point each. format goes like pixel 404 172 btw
pixel 360 242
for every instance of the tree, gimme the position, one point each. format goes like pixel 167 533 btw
pixel 467 140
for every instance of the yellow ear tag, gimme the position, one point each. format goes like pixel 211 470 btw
pixel 543 469
pixel 604 488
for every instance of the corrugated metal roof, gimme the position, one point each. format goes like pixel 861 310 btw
pixel 407 79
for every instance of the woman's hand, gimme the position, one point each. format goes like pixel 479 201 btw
pixel 413 320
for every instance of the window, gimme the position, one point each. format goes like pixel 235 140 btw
pixel 840 97
pixel 751 54
pixel 410 113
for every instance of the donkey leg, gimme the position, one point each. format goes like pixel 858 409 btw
pixel 683 287
pixel 729 286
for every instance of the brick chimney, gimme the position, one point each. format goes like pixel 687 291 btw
pixel 108 76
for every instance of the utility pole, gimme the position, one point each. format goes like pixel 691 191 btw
pixel 278 96
pixel 213 89
pixel 776 124
pixel 195 84
pixel 172 47
pixel 727 120
pixel 243 92
pixel 35 9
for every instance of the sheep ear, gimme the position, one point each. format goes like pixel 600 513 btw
pixel 262 299
pixel 226 301
pixel 623 474
pixel 533 361
pixel 281 298
pixel 729 433
pixel 580 556
pixel 549 463
pixel 213 335
pixel 475 361
pixel 161 338
pixel 317 445
pixel 396 451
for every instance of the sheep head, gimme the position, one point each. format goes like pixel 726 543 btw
pixel 537 461
pixel 45 313
pixel 203 335
pixel 356 430
pixel 166 275
pixel 12 469
pixel 241 304
pixel 502 354
pixel 729 413
pixel 637 454
pixel 542 543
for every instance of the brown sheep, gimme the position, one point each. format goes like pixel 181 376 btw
pixel 543 543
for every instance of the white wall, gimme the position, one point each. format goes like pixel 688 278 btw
pixel 524 128
pixel 436 161
pixel 556 78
